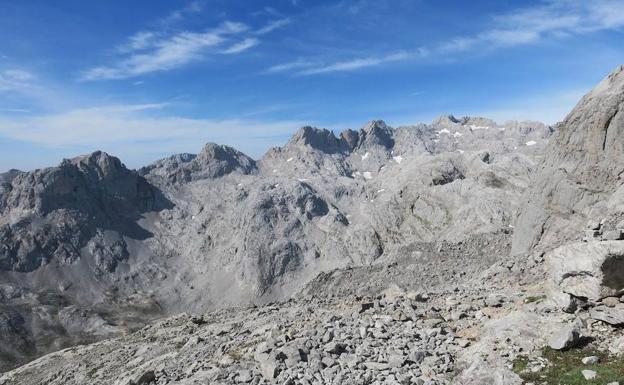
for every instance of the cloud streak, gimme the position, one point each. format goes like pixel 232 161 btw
pixel 131 126
pixel 16 80
pixel 241 46
pixel 550 19
pixel 272 26
pixel 147 52
pixel 355 64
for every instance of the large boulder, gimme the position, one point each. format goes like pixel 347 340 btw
pixel 591 270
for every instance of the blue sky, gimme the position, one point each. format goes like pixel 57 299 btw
pixel 145 79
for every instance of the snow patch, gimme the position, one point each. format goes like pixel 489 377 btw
pixel 444 131
pixel 381 190
pixel 460 151
pixel 289 160
pixel 367 175
pixel 474 128
pixel 398 159
pixel 457 134
pixel 531 143
pixel 365 156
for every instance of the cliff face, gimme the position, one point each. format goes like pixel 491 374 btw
pixel 580 178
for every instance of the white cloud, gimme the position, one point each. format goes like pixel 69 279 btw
pixel 241 46
pixel 16 80
pixel 145 52
pixel 549 19
pixel 290 66
pixel 132 128
pixel 273 26
pixel 138 41
pixel 179 14
pixel 354 64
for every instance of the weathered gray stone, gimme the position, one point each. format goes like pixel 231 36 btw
pixel 589 374
pixel 592 270
pixel 611 315
pixel 613 235
pixel 591 360
pixel 565 338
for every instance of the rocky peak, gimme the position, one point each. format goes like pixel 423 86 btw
pixel 317 138
pixel 376 132
pixel 445 120
pixel 212 162
pixel 350 138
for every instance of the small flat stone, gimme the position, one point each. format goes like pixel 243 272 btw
pixel 610 315
pixel 589 374
pixel 591 360
pixel 610 301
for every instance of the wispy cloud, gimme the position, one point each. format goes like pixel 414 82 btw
pixel 354 64
pixel 131 126
pixel 272 26
pixel 147 52
pixel 16 80
pixel 179 14
pixel 297 64
pixel 241 46
pixel 549 19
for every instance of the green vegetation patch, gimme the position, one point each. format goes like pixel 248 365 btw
pixel 564 368
pixel 534 298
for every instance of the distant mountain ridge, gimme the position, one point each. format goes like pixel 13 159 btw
pixel 216 229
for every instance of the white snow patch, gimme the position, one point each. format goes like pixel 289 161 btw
pixel 239 185
pixel 372 200
pixel 531 143
pixel 398 158
pixel 444 131
pixel 289 160
pixel 365 156
pixel 277 185
pixel 193 217
pixel 457 134
pixel 274 170
pixel 382 190
pixel 473 127
pixel 367 175
pixel 460 151
pixel 302 180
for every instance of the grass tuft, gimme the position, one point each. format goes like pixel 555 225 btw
pixel 564 368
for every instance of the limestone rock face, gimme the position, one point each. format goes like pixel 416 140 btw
pixel 219 229
pixel 591 270
pixel 581 174
pixel 50 214
pixel 212 162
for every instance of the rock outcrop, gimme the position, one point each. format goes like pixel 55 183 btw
pixel 580 178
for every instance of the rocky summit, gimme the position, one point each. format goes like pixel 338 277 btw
pixel 464 251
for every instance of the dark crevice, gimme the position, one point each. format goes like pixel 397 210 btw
pixel 607 124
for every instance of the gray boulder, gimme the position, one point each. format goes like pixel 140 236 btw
pixel 591 270
pixel 611 315
pixel 565 338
